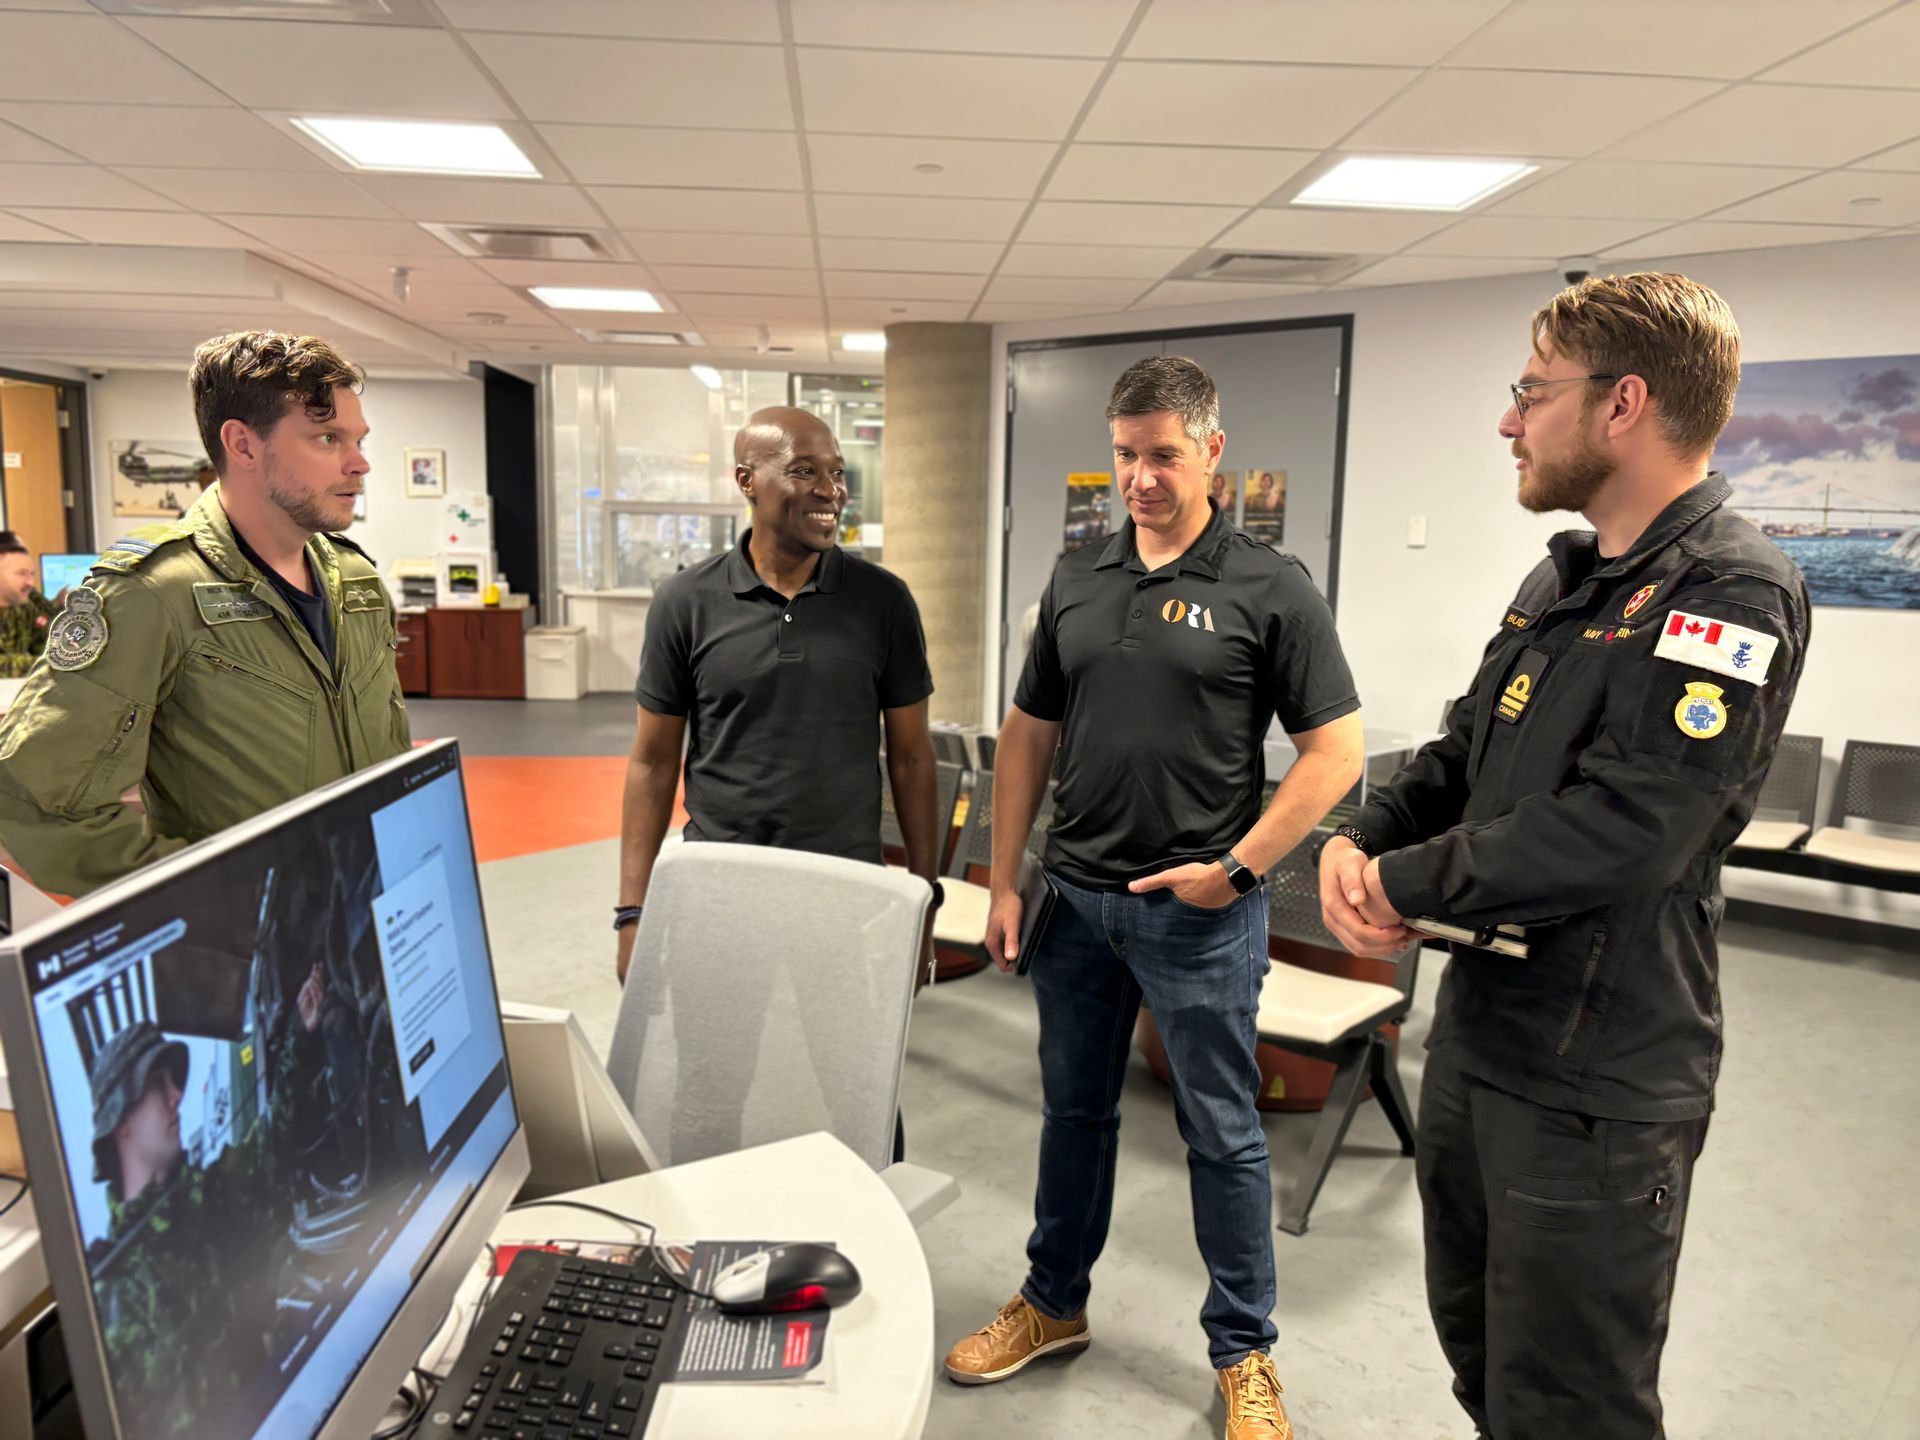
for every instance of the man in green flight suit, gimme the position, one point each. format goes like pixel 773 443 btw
pixel 225 662
pixel 25 613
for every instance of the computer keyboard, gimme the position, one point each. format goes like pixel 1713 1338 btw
pixel 567 1349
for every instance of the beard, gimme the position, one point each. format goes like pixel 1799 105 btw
pixel 1568 484
pixel 310 512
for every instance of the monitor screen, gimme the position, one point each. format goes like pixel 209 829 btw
pixel 276 1077
pixel 63 572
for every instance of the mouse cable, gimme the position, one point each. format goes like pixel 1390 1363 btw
pixel 649 1244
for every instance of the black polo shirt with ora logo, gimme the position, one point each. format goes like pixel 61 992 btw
pixel 1164 685
pixel 783 697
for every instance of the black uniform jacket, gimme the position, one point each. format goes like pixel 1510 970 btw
pixel 1610 751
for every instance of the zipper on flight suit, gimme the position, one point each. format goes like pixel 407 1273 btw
pixel 1586 984
pixel 113 749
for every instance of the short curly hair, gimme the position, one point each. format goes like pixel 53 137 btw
pixel 257 376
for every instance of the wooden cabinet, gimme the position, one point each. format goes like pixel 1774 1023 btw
pixel 477 654
pixel 412 659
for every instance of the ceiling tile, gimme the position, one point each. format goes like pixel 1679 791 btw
pixel 1496 112
pixel 917 217
pixel 71 7
pixel 319 68
pixel 1427 269
pixel 635 19
pixel 19 148
pixel 1356 32
pixel 894 284
pixel 762 309
pixel 871 164
pixel 1002 312
pixel 763 212
pixel 1280 106
pixel 641 82
pixel 1111 262
pixel 262 192
pixel 1213 292
pixel 723 159
pixel 372 272
pixel 1724 38
pixel 1880 52
pixel 1603 188
pixel 1511 236
pixel 685 280
pixel 88 57
pixel 1092 222
pixel 609 276
pixel 1147 172
pixel 1900 157
pixel 495 202
pixel 212 137
pixel 985 97
pixel 1781 125
pixel 851 314
pixel 954 257
pixel 1705 237
pixel 1058 27
pixel 744 247
pixel 1023 290
pixel 1368 232
pixel 78 186
pixel 12 227
pixel 1828 200
pixel 140 227
pixel 366 237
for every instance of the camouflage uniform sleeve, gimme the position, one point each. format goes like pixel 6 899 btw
pixel 23 634
pixel 76 740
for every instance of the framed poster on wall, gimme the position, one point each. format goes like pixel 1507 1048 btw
pixel 157 479
pixel 426 474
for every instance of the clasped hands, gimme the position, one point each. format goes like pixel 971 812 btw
pixel 1354 904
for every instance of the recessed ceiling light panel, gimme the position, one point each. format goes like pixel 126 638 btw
pixel 420 147
pixel 867 341
pixel 1382 182
pixel 575 297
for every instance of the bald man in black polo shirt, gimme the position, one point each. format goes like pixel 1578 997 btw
pixel 777 663
pixel 1159 660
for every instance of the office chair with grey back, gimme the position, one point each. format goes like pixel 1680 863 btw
pixel 767 998
pixel 1879 791
pixel 946 799
pixel 1783 815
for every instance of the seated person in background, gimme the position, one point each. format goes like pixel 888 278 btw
pixel 24 612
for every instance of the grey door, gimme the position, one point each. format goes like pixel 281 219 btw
pixel 1279 405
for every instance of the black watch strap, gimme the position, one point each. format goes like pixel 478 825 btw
pixel 625 915
pixel 1360 841
pixel 939 894
pixel 1243 880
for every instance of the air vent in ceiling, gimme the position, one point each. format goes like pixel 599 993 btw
pixel 640 337
pixel 521 242
pixel 1270 267
pixel 365 12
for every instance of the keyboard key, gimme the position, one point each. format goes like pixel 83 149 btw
pixel 661 1292
pixel 616 1352
pixel 534 1353
pixel 574 1393
pixel 588 1432
pixel 566 1344
pixel 538 1400
pixel 464 1420
pixel 627 1397
pixel 501 1347
pixel 548 1383
pixel 517 1382
pixel 572 1267
pixel 559 1358
pixel 497 1421
pixel 506 1405
pixel 554 1306
pixel 490 1369
pixel 640 1370
pixel 572 1327
pixel 517 1318
pixel 619 1425
pixel 655 1322
pixel 521 1432
pixel 580 1308
pixel 604 1312
pixel 647 1340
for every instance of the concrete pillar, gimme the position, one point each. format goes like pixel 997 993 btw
pixel 936 504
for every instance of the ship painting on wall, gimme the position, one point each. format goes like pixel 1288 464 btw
pixel 1824 456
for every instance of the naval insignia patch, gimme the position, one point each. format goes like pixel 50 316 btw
pixel 79 633
pixel 1638 600
pixel 1700 713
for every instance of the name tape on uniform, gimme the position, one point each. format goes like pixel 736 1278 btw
pixel 1717 645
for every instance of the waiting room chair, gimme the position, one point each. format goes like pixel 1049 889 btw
pixel 961 923
pixel 946 798
pixel 950 747
pixel 768 997
pixel 1333 1018
pixel 1784 815
pixel 1880 790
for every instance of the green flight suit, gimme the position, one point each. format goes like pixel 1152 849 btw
pixel 178 668
pixel 23 633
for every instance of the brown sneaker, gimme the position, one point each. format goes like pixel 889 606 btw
pixel 1019 1334
pixel 1252 1392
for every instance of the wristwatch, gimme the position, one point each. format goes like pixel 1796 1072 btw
pixel 1360 841
pixel 625 915
pixel 939 895
pixel 1239 876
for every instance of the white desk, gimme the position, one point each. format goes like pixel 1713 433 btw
pixel 880 1347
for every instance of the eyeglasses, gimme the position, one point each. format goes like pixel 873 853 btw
pixel 1521 404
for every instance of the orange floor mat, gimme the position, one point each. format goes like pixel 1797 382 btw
pixel 522 804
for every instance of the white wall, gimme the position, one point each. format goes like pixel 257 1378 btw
pixel 433 414
pixel 1430 368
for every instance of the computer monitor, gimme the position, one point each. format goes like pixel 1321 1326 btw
pixel 63 572
pixel 264 1093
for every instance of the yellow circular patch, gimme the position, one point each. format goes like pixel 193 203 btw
pixel 1700 714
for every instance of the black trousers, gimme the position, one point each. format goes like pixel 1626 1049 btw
pixel 1552 1239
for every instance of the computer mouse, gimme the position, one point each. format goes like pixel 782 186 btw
pixel 787 1277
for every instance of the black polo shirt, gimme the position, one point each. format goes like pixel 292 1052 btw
pixel 1164 684
pixel 783 698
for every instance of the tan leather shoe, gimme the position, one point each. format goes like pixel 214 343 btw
pixel 1252 1392
pixel 1018 1336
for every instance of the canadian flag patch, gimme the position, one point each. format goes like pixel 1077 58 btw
pixel 1717 645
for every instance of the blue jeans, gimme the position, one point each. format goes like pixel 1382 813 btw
pixel 1200 973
